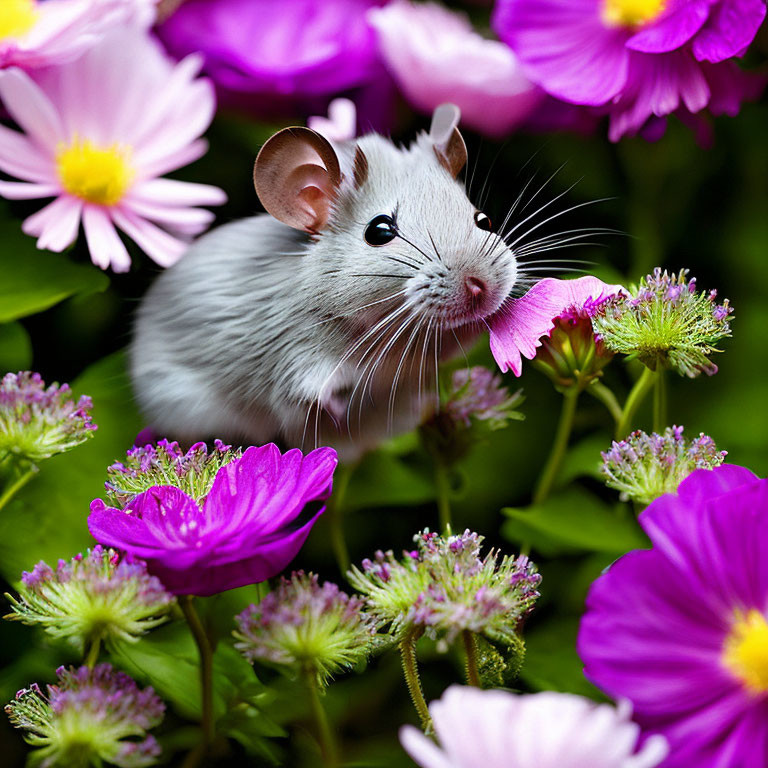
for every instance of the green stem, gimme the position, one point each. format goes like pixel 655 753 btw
pixel 600 392
pixel 660 401
pixel 634 399
pixel 443 488
pixel 411 672
pixel 17 485
pixel 93 653
pixel 559 447
pixel 206 667
pixel 470 649
pixel 335 513
pixel 325 736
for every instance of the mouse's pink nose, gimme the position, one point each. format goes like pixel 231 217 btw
pixel 475 286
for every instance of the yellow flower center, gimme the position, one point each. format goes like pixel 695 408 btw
pixel 95 174
pixel 745 651
pixel 17 17
pixel 631 13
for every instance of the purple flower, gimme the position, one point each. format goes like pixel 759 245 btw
pixel 305 624
pixel 498 729
pixel 251 524
pixel 477 393
pixel 274 57
pixel 436 56
pixel 166 464
pixel 518 327
pixel 37 422
pixel 681 629
pixel 644 467
pixel 89 716
pixel 92 598
pixel 640 60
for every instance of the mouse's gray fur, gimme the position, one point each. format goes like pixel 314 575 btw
pixel 263 331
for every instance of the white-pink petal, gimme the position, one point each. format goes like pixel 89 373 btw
pixel 62 226
pixel 160 246
pixel 517 328
pixel 176 159
pixel 185 221
pixel 422 749
pixel 104 244
pixel 14 190
pixel 31 109
pixel 172 192
pixel 20 158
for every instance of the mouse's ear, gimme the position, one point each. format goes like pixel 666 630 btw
pixel 449 145
pixel 296 175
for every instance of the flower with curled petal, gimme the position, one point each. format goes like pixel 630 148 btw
pixel 250 525
pixel 89 716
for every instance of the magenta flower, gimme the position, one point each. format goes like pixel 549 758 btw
pixel 37 34
pixel 251 524
pixel 276 57
pixel 516 330
pixel 681 629
pixel 498 729
pixel 640 60
pixel 436 56
pixel 98 134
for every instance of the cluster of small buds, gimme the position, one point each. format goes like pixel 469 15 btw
pixel 166 464
pixel 303 625
pixel 572 355
pixel 666 322
pixel 644 467
pixel 444 587
pixel 90 716
pixel 478 394
pixel 36 421
pixel 93 598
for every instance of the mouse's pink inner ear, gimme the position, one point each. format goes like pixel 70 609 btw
pixel 296 176
pixel 444 133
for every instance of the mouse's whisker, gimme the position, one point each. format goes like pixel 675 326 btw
pixel 413 245
pixel 360 309
pixel 551 218
pixel 403 358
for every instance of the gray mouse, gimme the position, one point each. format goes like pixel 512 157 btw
pixel 323 321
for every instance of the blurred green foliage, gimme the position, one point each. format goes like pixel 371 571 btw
pixel 680 206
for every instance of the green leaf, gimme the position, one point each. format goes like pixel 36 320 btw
pixel 34 280
pixel 15 348
pixel 551 660
pixel 574 520
pixel 47 520
pixel 583 459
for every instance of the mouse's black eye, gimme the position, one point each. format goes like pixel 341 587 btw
pixel 483 222
pixel 381 230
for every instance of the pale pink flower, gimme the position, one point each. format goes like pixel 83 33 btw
pixel 497 729
pixel 36 34
pixel 435 55
pixel 98 132
pixel 341 123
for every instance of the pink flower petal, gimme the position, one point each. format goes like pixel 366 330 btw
pixel 517 328
pixel 184 221
pixel 14 190
pixel 673 30
pixel 31 109
pixel 174 160
pixel 171 193
pixel 157 244
pixel 105 246
pixel 61 230
pixel 731 27
pixel 19 157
